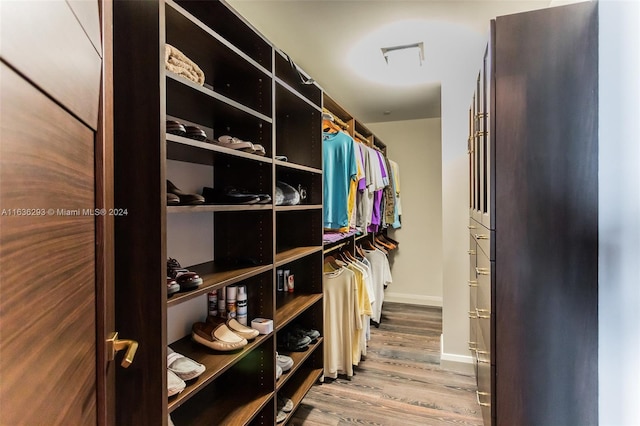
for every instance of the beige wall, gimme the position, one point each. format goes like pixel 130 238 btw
pixel 417 264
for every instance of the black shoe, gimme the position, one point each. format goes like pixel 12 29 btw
pixel 233 196
pixel 185 198
pixel 310 333
pixel 176 128
pixel 186 279
pixel 293 342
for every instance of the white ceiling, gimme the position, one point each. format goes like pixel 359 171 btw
pixel 322 37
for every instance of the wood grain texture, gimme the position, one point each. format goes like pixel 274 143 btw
pixel 45 43
pixel 399 383
pixel 546 288
pixel 47 292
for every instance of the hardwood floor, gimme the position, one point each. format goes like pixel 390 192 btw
pixel 399 383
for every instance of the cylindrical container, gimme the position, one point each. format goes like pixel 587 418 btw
pixel 290 283
pixel 280 284
pixel 222 306
pixel 241 312
pixel 212 298
pixel 231 301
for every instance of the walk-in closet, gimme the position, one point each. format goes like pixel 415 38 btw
pixel 305 213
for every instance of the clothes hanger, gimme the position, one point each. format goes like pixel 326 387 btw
pixel 330 126
pixel 332 261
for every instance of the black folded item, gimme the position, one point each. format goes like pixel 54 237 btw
pixel 286 195
pixel 196 133
pixel 231 195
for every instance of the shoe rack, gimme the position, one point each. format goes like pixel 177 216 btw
pixel 252 92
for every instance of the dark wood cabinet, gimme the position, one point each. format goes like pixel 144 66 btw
pixel 534 219
pixel 250 92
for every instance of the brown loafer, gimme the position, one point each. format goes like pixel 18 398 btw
pixel 217 337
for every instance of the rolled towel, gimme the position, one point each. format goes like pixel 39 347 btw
pixel 179 63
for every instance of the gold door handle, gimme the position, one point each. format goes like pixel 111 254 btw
pixel 482 271
pixel 473 283
pixel 481 236
pixel 482 404
pixel 115 345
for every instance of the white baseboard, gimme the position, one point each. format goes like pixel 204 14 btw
pixel 413 299
pixel 455 362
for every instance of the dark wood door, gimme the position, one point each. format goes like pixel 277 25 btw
pixel 56 260
pixel 546 217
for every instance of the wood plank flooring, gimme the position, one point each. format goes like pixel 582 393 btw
pixel 400 382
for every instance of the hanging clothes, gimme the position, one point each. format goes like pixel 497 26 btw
pixel 340 169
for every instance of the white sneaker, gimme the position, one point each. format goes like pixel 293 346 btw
pixel 285 362
pixel 278 372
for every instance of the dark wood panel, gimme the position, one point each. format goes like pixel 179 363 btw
pixel 139 158
pixel 47 299
pixel 547 217
pixel 45 43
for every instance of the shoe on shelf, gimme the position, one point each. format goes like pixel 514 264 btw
pixel 183 367
pixel 172 286
pixel 284 362
pixel 172 199
pixel 310 333
pixel 186 279
pixel 217 337
pixel 233 324
pixel 281 416
pixel 293 342
pixel 232 195
pixel 175 384
pixel 185 198
pixel 176 128
pixel 285 404
pixel 234 143
pixel 278 372
pixel 196 133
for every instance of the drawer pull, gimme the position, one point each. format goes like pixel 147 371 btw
pixel 473 283
pixel 483 313
pixel 483 271
pixel 473 315
pixel 471 227
pixel 481 237
pixel 481 361
pixel 482 404
pixel 472 345
pixel 471 252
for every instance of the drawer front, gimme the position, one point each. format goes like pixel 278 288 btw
pixel 483 272
pixel 484 390
pixel 483 237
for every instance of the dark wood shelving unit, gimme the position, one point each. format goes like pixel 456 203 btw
pixel 298 361
pixel 290 255
pixel 216 363
pixel 185 149
pixel 300 385
pixel 292 305
pixel 252 92
pixel 214 277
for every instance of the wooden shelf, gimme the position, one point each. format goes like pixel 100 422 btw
pixel 299 207
pixel 295 166
pixel 302 383
pixel 203 208
pixel 215 276
pixel 296 93
pixel 290 255
pixel 290 305
pixel 216 363
pixel 186 143
pixel 298 360
pixel 217 96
